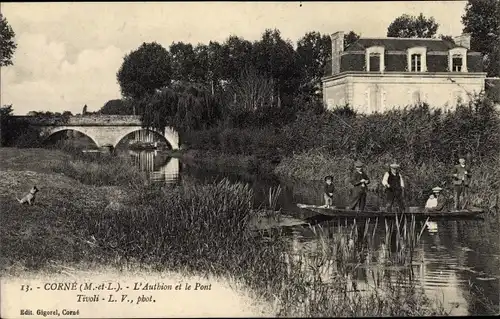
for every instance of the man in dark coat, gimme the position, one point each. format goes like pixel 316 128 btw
pixel 359 180
pixel 394 187
pixel 461 181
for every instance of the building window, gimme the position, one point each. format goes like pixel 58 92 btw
pixel 374 65
pixel 417 59
pixel 456 63
pixel 416 63
pixel 374 57
pixel 457 59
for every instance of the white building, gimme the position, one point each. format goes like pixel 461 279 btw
pixel 378 74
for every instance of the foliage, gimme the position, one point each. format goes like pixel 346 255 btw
pixel 350 38
pixel 251 91
pixel 314 51
pixel 482 21
pixel 7 44
pixel 183 106
pixel 117 107
pixel 447 38
pixel 144 70
pixel 407 26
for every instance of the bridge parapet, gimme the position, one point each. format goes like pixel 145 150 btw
pixel 84 120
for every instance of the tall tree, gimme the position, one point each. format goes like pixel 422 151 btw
pixel 276 59
pixel 482 21
pixel 314 50
pixel 350 38
pixel 407 26
pixel 144 71
pixel 238 53
pixel 116 107
pixel 7 44
pixel 183 61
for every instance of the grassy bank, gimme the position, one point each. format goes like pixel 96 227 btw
pixel 189 229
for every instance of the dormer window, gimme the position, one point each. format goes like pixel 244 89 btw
pixel 374 59
pixel 417 60
pixel 457 60
pixel 416 63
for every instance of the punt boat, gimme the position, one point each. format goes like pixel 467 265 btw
pixel 418 212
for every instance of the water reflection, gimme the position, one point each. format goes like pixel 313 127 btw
pixel 456 261
pixel 160 167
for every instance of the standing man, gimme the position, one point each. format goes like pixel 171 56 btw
pixel 461 181
pixel 394 187
pixel 359 180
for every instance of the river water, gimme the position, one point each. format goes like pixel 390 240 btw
pixel 458 262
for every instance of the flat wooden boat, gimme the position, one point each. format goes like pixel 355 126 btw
pixel 418 212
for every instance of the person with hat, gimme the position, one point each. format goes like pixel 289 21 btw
pixel 436 201
pixel 461 181
pixel 328 191
pixel 359 180
pixel 394 186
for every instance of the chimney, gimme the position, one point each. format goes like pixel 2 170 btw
pixel 337 49
pixel 463 40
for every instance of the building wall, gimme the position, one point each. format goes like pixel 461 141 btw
pixel 382 93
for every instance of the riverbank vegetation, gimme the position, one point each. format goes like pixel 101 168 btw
pixel 181 228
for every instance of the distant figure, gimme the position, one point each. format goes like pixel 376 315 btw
pixel 394 187
pixel 461 181
pixel 359 180
pixel 436 201
pixel 329 189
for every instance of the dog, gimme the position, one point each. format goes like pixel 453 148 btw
pixel 30 197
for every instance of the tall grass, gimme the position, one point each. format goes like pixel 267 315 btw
pixel 204 229
pixel 99 169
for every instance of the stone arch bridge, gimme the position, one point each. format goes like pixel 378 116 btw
pixel 103 130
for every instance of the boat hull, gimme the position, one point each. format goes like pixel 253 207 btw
pixel 418 212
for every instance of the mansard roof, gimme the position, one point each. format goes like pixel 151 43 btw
pixel 402 44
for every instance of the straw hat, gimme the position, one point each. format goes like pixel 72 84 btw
pixel 394 165
pixel 437 189
pixel 328 177
pixel 358 164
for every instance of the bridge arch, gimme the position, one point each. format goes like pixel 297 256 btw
pixel 171 140
pixel 50 132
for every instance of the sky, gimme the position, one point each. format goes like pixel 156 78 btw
pixel 68 53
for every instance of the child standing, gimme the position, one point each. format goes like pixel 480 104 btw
pixel 328 191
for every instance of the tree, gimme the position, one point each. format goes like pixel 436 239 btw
pixel 276 59
pixel 144 71
pixel 84 111
pixel 183 61
pixel 116 107
pixel 482 21
pixel 447 38
pixel 238 54
pixel 315 52
pixel 251 90
pixel 406 26
pixel 349 38
pixel 7 44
